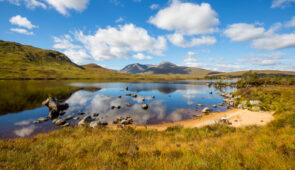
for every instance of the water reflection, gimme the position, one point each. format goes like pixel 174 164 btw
pixel 172 102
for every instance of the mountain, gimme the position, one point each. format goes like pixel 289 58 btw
pixel 135 68
pixel 26 62
pixel 165 68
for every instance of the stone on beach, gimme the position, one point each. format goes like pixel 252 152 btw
pixel 206 110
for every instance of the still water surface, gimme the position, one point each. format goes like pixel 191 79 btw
pixel 174 101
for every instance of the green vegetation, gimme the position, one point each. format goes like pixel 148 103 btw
pixel 250 79
pixel 211 147
pixel 260 73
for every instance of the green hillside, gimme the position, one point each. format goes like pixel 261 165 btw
pixel 259 72
pixel 26 62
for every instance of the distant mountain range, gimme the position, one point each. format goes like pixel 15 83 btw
pixel 165 68
pixel 26 62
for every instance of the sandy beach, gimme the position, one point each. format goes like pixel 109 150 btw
pixel 237 117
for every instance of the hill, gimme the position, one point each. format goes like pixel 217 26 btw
pixel 261 73
pixel 165 68
pixel 26 62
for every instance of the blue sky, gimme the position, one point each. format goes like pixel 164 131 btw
pixel 219 35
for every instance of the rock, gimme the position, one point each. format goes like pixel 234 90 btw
pixel 206 110
pixel 126 88
pixel 124 122
pixel 256 108
pixel 80 113
pixel 53 114
pixel 85 120
pixel 200 105
pixel 223 120
pixel 113 107
pixel 210 92
pixel 143 99
pixel 119 97
pixel 255 102
pixel 214 106
pixel 220 104
pixel 76 118
pixel 95 114
pixel 128 104
pixel 144 106
pixel 134 95
pixel 153 97
pixel 36 121
pixel 118 107
pixel 94 124
pixel 68 117
pixel 59 122
pixel 104 123
pixel 128 94
pixel 42 119
pixel 53 104
pixel 66 125
pixel 62 113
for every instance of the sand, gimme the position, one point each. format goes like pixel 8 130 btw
pixel 238 118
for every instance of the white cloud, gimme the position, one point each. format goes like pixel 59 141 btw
pixel 243 32
pixel 62 6
pixel 75 52
pixel 186 18
pixel 274 41
pixel 32 4
pixel 120 19
pixel 113 42
pixel 261 39
pixel 140 56
pixel 154 6
pixel 22 22
pixel 281 3
pixel 65 5
pixel 21 31
pixel 178 40
pixel 291 23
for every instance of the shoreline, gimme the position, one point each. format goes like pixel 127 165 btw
pixel 238 118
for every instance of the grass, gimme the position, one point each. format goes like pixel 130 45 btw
pixel 211 147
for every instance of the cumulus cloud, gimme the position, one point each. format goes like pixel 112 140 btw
pixel 141 56
pixel 114 42
pixel 22 22
pixel 243 32
pixel 178 40
pixel 274 41
pixel 291 23
pixel 281 3
pixel 260 38
pixel 75 52
pixel 62 6
pixel 21 31
pixel 154 6
pixel 65 5
pixel 186 18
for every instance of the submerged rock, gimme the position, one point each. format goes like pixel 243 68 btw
pixel 59 122
pixel 68 117
pixel 76 118
pixel 200 105
pixel 95 114
pixel 85 120
pixel 144 106
pixel 153 97
pixel 134 95
pixel 128 104
pixel 113 107
pixel 214 106
pixel 42 119
pixel 80 113
pixel 66 125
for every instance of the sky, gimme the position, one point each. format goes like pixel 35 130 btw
pixel 230 35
